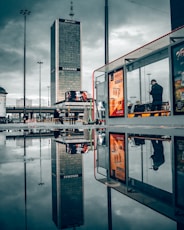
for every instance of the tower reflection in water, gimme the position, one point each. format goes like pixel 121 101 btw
pixel 67 182
pixel 145 167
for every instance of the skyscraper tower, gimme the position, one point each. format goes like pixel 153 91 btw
pixel 65 57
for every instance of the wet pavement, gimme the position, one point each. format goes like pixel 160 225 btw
pixel 55 179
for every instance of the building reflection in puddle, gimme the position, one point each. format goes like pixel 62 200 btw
pixel 67 178
pixel 145 167
pixel 66 163
pixel 67 187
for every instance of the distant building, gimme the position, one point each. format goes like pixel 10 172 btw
pixel 2 104
pixel 65 58
pixel 20 102
pixel 177 18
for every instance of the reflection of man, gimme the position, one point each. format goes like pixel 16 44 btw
pixel 158 154
pixel 156 92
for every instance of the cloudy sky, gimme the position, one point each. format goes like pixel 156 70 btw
pixel 132 23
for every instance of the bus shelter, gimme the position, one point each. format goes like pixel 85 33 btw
pixel 122 87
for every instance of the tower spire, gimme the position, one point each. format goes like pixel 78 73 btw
pixel 71 10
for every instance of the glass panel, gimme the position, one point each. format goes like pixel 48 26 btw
pixel 148 90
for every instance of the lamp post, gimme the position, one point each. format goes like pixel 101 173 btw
pixel 48 94
pixel 40 63
pixel 25 181
pixel 25 13
pixel 106 32
pixel 41 182
pixel 106 21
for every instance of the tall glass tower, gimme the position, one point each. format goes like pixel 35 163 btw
pixel 65 58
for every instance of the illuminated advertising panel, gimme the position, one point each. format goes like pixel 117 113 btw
pixel 116 94
pixel 177 52
pixel 179 172
pixel 117 156
pixel 76 96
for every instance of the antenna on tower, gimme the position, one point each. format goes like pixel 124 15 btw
pixel 71 10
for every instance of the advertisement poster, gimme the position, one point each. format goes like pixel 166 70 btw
pixel 116 94
pixel 178 78
pixel 179 170
pixel 76 96
pixel 117 156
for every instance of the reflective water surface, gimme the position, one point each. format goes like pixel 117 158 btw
pixel 55 180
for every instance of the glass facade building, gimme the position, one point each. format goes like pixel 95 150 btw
pixel 65 58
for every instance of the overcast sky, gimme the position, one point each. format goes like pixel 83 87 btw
pixel 132 23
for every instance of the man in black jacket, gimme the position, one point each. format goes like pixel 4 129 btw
pixel 156 92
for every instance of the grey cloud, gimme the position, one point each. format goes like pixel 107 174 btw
pixel 122 14
pixel 10 61
pixel 10 9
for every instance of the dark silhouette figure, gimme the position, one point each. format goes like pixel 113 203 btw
pixel 156 92
pixel 158 154
pixel 57 116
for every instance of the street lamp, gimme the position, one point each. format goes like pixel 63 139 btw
pixel 106 21
pixel 40 63
pixel 41 182
pixel 106 32
pixel 25 13
pixel 48 94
